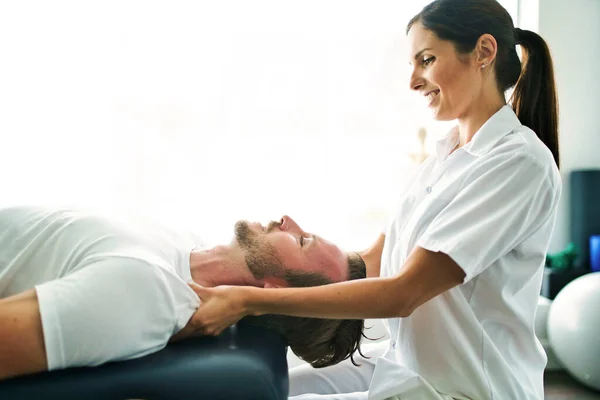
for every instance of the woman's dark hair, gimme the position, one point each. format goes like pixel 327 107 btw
pixel 534 100
pixel 318 341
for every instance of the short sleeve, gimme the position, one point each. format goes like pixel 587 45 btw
pixel 111 310
pixel 503 201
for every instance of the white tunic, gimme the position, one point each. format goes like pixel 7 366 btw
pixel 491 206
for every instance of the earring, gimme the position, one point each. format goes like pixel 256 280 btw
pixel 483 65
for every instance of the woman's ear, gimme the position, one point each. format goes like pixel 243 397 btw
pixel 486 49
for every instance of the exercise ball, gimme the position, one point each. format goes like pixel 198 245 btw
pixel 574 328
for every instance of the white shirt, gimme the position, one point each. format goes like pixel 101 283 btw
pixel 108 290
pixel 491 206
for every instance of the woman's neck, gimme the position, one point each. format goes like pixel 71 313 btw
pixel 481 111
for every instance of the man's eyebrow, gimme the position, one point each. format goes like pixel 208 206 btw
pixel 313 238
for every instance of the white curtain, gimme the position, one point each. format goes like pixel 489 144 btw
pixel 205 112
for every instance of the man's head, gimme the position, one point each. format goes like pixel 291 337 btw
pixel 282 254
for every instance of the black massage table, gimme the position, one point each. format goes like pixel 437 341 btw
pixel 243 363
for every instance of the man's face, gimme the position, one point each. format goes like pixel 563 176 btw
pixel 284 246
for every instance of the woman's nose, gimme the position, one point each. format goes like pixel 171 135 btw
pixel 416 81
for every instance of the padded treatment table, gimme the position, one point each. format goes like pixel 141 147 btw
pixel 243 363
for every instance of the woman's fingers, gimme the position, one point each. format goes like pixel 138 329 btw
pixel 201 291
pixel 220 308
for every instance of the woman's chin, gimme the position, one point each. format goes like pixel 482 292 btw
pixel 440 115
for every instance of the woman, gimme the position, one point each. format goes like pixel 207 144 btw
pixel 458 271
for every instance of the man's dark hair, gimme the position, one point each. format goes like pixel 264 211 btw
pixel 318 341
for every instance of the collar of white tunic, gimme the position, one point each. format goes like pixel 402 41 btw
pixel 503 122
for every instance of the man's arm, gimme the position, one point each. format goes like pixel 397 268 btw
pixel 22 349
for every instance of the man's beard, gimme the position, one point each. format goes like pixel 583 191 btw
pixel 261 257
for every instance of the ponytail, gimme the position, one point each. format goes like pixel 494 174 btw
pixel 534 97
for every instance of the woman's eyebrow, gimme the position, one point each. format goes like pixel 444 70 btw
pixel 421 52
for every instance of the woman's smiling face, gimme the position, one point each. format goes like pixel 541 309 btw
pixel 450 82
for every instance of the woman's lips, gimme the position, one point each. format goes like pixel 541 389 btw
pixel 431 96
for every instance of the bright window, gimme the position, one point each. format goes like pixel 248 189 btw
pixel 206 112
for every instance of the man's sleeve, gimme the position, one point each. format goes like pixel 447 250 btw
pixel 111 310
pixel 503 201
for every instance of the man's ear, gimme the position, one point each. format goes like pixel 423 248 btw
pixel 274 283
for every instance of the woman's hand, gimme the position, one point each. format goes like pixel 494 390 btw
pixel 220 307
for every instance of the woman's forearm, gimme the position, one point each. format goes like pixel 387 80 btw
pixel 358 299
pixel 424 275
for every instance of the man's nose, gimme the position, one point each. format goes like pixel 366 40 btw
pixel 288 224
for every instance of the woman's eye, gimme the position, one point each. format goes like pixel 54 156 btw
pixel 428 61
pixel 301 241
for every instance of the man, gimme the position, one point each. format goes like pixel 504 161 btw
pixel 81 289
